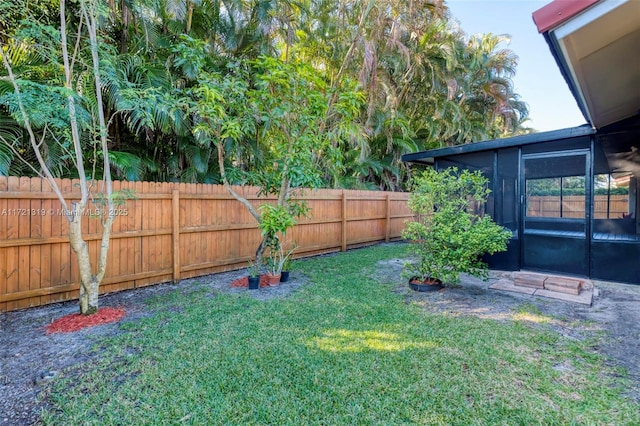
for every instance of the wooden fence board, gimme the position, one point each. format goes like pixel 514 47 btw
pixel 45 249
pixel 13 209
pixel 24 231
pixel 3 236
pixel 208 230
pixel 64 267
pixel 35 258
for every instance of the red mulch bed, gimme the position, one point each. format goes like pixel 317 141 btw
pixel 244 282
pixel 74 322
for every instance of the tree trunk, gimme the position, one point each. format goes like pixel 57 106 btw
pixel 260 251
pixel 190 7
pixel 124 32
pixel 89 297
pixel 88 282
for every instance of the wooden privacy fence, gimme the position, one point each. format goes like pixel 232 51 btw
pixel 573 206
pixel 167 232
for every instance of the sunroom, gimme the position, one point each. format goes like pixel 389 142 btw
pixel 571 197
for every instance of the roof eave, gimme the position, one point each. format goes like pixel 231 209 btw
pixel 594 44
pixel 558 12
pixel 428 157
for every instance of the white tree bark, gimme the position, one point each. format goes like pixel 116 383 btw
pixel 89 282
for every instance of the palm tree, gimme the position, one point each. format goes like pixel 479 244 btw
pixel 486 89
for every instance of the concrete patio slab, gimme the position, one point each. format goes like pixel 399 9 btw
pixel 585 297
pixel 508 285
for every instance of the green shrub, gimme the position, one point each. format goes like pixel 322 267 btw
pixel 449 233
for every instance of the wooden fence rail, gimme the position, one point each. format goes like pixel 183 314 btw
pixel 573 206
pixel 167 232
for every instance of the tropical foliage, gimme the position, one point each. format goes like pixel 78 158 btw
pixel 170 67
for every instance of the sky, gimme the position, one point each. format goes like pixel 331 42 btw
pixel 538 80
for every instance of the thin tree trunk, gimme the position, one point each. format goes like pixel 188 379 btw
pixel 89 282
pixel 74 216
pixel 244 201
pixel 124 32
pixel 108 214
pixel 108 211
pixel 345 62
pixel 190 7
pixel 229 188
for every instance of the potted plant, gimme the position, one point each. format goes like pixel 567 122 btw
pixel 272 264
pixel 275 221
pixel 286 270
pixel 449 233
pixel 273 271
pixel 278 262
pixel 254 275
pixel 285 261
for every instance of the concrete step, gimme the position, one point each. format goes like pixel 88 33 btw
pixel 563 284
pixel 525 279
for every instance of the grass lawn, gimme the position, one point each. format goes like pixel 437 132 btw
pixel 343 350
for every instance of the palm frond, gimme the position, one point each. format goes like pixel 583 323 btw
pixel 6 157
pixel 127 165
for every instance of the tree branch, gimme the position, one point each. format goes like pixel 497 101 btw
pixel 108 216
pixel 75 133
pixel 32 136
pixel 24 160
pixel 226 184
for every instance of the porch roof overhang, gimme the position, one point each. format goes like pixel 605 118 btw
pixel 596 44
pixel 428 157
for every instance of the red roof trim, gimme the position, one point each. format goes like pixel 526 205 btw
pixel 559 11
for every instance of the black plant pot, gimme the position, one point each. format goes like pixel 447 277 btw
pixel 432 285
pixel 254 282
pixel 284 276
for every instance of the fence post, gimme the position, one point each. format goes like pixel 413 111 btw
pixel 388 219
pixel 344 221
pixel 175 232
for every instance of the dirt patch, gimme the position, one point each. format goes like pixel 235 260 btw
pixel 30 357
pixel 613 319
